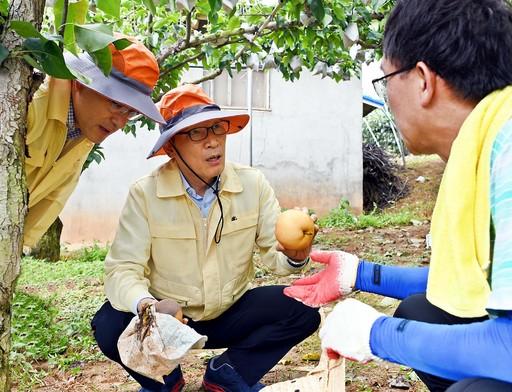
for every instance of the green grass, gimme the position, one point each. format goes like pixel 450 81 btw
pixel 51 312
pixel 342 218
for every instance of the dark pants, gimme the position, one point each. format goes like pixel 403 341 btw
pixel 416 307
pixel 258 330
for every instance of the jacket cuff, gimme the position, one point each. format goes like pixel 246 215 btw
pixel 298 264
pixel 135 303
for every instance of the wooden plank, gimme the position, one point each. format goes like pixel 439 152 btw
pixel 328 376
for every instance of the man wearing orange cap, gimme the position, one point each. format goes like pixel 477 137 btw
pixel 187 233
pixel 67 118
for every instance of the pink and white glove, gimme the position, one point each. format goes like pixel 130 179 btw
pixel 346 330
pixel 334 281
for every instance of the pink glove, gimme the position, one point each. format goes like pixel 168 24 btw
pixel 347 328
pixel 330 284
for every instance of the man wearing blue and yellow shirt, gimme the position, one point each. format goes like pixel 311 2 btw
pixel 448 82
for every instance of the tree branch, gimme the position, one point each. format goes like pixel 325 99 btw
pixel 238 54
pixel 195 57
pixel 62 26
pixel 150 24
pixel 221 36
pixel 210 76
pixel 181 63
pixel 365 45
pixel 189 27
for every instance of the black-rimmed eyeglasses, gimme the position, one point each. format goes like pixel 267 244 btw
pixel 201 133
pixel 380 85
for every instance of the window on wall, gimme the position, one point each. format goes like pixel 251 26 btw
pixel 231 92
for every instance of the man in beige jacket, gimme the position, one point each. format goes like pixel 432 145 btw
pixel 187 233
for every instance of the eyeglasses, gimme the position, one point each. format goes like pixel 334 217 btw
pixel 381 84
pixel 123 110
pixel 201 133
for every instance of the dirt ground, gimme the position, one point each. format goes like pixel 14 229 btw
pixel 398 245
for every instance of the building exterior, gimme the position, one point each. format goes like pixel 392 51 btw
pixel 305 136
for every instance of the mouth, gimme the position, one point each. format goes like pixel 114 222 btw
pixel 214 158
pixel 106 130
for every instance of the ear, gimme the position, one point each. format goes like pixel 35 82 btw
pixel 169 149
pixel 427 79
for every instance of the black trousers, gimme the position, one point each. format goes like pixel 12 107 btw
pixel 258 330
pixel 416 307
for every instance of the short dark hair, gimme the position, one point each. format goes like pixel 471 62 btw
pixel 466 42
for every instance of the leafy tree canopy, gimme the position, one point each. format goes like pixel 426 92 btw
pixel 328 37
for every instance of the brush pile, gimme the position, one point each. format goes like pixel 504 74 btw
pixel 381 183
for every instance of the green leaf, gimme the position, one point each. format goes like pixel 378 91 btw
pixel 376 4
pixel 149 4
pixel 58 10
pixel 103 59
pixel 33 63
pixel 26 29
pixel 317 7
pixel 93 37
pixel 122 43
pixel 110 7
pixel 48 56
pixel 215 6
pixel 77 12
pixel 4 53
pixel 4 7
pixel 233 23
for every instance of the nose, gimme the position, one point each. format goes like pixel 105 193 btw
pixel 212 139
pixel 119 120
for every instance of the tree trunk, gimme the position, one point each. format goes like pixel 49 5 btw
pixel 48 247
pixel 15 82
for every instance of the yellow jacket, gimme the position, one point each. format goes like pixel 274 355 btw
pixel 52 165
pixel 164 248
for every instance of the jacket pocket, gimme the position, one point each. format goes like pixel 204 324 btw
pixel 235 288
pixel 173 232
pixel 185 295
pixel 236 223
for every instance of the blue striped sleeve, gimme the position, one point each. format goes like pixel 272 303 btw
pixel 500 299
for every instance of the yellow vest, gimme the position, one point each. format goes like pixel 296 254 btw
pixel 460 263
pixel 53 165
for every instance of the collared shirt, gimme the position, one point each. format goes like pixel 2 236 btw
pixel 73 132
pixel 203 202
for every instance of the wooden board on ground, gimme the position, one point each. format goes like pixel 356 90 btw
pixel 328 376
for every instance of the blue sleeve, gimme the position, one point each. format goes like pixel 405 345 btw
pixel 500 299
pixel 455 352
pixel 391 281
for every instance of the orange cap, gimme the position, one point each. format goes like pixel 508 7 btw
pixel 181 98
pixel 136 62
pixel 188 105
pixel 131 81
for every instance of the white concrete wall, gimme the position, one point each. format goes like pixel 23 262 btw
pixel 308 145
pixel 93 210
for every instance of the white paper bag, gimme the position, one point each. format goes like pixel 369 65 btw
pixel 155 346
